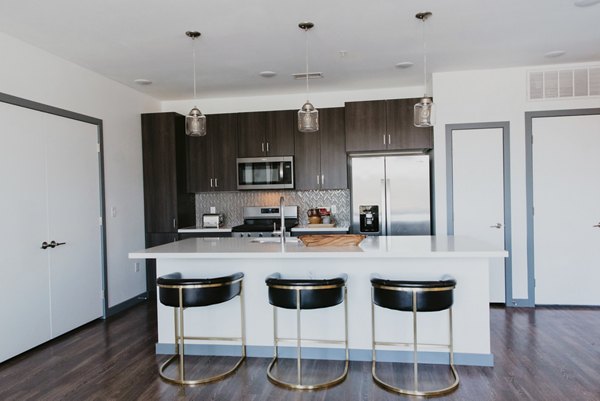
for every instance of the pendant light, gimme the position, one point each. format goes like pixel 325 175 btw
pixel 195 121
pixel 308 116
pixel 424 110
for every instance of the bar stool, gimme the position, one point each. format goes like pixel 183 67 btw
pixel 413 296
pixel 181 292
pixel 299 294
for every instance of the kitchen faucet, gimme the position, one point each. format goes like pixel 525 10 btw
pixel 281 231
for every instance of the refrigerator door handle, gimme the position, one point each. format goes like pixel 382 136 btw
pixel 388 207
pixel 383 216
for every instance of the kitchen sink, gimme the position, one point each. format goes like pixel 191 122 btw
pixel 266 240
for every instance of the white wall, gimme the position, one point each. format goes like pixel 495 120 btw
pixel 487 96
pixel 33 74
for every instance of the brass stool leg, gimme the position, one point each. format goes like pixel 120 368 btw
pixel 180 345
pixel 299 385
pixel 416 391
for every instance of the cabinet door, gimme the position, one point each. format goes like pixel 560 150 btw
pixel 223 137
pixel 334 167
pixel 365 126
pixel 199 162
pixel 280 133
pixel 401 129
pixel 307 159
pixel 155 239
pixel 160 180
pixel 251 138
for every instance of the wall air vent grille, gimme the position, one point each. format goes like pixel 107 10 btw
pixel 563 83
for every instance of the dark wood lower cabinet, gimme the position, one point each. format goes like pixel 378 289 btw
pixel 155 239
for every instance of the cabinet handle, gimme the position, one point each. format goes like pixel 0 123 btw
pixel 216 183
pixel 322 179
pixel 174 223
pixel 389 139
pixel 318 180
pixel 262 146
pixel 267 146
pixel 384 139
pixel 211 182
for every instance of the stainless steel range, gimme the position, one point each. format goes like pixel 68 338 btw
pixel 262 221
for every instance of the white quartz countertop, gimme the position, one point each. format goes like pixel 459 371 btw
pixel 195 229
pixel 370 247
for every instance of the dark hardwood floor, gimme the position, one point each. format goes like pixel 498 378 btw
pixel 542 354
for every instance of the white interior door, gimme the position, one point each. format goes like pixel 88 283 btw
pixel 73 216
pixel 478 194
pixel 566 199
pixel 24 291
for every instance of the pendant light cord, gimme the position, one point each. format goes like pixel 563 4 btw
pixel 424 59
pixel 306 59
pixel 194 63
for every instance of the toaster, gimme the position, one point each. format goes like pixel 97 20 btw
pixel 212 220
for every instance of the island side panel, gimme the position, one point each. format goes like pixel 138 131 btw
pixel 471 307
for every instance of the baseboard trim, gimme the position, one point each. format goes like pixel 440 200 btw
pixel 364 355
pixel 138 299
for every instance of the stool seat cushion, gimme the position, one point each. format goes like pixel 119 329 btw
pixel 283 291
pixel 198 291
pixel 432 295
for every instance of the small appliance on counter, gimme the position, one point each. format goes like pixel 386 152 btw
pixel 212 220
pixel 261 221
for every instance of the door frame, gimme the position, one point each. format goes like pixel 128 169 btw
pixel 529 116
pixel 44 108
pixel 505 127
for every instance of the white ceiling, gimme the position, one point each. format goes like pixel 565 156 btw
pixel 130 39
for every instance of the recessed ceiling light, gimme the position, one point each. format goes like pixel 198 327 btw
pixel 267 74
pixel 586 3
pixel 342 53
pixel 555 53
pixel 404 64
pixel 141 81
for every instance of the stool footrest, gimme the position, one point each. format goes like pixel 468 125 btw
pixel 298 386
pixel 213 338
pixel 201 380
pixel 307 340
pixel 428 393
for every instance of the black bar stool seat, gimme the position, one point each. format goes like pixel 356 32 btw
pixel 180 292
pixel 413 296
pixel 299 294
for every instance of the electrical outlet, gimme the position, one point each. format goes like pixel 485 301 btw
pixel 136 267
pixel 113 211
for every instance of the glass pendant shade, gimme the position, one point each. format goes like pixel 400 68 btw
pixel 308 118
pixel 195 123
pixel 424 113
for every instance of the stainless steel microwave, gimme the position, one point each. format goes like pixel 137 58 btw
pixel 265 172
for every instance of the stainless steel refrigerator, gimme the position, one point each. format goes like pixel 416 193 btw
pixel 391 195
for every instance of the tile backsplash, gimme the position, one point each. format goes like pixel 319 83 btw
pixel 231 203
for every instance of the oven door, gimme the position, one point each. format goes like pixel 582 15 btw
pixel 265 173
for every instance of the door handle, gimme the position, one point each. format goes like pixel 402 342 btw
pixel 52 244
pixel 497 225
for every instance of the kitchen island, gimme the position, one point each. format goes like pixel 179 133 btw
pixel 412 258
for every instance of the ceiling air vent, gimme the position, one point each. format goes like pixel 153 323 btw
pixel 564 83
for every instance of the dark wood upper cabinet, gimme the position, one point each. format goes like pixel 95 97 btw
pixel 320 158
pixel 266 134
pixel 211 158
pixel 167 205
pixel 365 125
pixel 384 125
pixel 402 132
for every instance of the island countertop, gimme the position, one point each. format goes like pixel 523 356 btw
pixel 370 247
